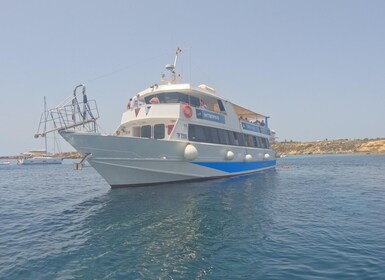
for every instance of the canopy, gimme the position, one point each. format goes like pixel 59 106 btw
pixel 246 113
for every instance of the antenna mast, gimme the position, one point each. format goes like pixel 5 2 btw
pixel 172 68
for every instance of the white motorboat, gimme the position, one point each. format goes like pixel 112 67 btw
pixel 33 158
pixel 171 132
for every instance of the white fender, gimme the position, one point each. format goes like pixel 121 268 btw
pixel 248 157
pixel 190 152
pixel 229 155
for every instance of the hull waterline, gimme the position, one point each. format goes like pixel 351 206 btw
pixel 129 161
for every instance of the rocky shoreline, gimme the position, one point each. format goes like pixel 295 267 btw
pixel 342 146
pixel 66 155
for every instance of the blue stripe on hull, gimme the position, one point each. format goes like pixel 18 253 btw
pixel 234 167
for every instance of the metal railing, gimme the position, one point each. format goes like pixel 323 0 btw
pixel 72 113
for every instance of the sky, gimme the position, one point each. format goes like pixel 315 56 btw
pixel 317 68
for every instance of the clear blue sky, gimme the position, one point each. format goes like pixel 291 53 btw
pixel 316 67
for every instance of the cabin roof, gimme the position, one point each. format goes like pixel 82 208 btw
pixel 199 91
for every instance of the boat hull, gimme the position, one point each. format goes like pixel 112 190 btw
pixel 40 160
pixel 131 161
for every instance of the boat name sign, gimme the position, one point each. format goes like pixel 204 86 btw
pixel 209 116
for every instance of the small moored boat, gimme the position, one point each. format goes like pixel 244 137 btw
pixel 38 158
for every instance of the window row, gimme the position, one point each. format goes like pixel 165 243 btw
pixel 148 131
pixel 199 133
pixel 211 104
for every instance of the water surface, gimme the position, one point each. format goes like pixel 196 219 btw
pixel 314 217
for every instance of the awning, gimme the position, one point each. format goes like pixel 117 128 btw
pixel 246 113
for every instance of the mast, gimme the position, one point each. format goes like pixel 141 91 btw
pixel 172 68
pixel 45 125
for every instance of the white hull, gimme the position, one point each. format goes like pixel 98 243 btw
pixel 40 160
pixel 169 133
pixel 132 161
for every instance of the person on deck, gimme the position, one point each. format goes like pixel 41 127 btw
pixel 202 104
pixel 155 100
pixel 129 103
pixel 135 102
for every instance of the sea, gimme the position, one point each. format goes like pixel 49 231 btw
pixel 313 217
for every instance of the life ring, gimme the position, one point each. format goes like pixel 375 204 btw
pixel 187 111
pixel 118 132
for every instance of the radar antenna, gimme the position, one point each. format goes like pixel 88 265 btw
pixel 172 68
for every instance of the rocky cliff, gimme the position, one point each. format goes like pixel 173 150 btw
pixel 366 146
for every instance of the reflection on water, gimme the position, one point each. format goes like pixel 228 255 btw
pixel 175 229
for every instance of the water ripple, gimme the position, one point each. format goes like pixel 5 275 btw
pixel 321 218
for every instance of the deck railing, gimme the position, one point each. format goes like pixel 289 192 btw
pixel 70 114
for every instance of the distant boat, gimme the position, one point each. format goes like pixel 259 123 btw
pixel 40 156
pixel 5 163
pixel 35 158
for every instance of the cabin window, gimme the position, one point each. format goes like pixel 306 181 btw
pixel 194 101
pixel 174 97
pixel 159 131
pixel 231 138
pixel 221 107
pixel 249 140
pixel 208 134
pixel 197 133
pixel 183 98
pixel 259 141
pixel 214 135
pixel 145 131
pixel 224 136
pixel 256 143
pixel 239 139
pixel 265 143
pixel 191 133
pixel 169 97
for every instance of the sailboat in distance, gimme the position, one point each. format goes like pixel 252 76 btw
pixel 41 156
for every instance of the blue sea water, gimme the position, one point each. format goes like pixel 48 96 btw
pixel 314 217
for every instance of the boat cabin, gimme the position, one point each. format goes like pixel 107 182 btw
pixel 182 111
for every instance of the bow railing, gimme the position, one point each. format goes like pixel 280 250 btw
pixel 76 112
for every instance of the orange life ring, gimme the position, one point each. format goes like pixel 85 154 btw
pixel 187 111
pixel 118 132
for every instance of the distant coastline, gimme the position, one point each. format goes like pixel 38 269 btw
pixel 66 155
pixel 341 146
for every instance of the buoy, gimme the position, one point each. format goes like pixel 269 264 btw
pixel 248 157
pixel 190 152
pixel 285 166
pixel 266 156
pixel 229 155
pixel 187 111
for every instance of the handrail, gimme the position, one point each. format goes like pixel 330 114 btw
pixel 70 114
